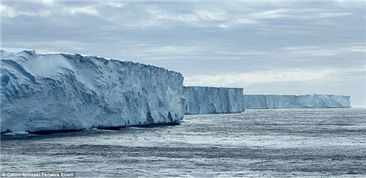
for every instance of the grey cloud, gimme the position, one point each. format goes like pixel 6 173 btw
pixel 202 37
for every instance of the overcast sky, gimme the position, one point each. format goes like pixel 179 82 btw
pixel 267 47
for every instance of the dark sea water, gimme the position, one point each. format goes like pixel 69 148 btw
pixel 260 143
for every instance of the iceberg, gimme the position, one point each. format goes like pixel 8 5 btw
pixel 58 92
pixel 296 101
pixel 212 100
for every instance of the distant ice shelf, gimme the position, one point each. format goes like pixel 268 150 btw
pixel 212 100
pixel 55 92
pixel 296 101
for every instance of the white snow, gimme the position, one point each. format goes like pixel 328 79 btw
pixel 296 101
pixel 50 92
pixel 211 100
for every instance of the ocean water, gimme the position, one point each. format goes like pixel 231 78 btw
pixel 260 143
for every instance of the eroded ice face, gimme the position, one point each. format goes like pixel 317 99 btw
pixel 210 100
pixel 296 101
pixel 41 92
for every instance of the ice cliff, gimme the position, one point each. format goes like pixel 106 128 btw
pixel 296 101
pixel 53 92
pixel 210 100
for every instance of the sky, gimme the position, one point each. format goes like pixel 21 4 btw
pixel 264 46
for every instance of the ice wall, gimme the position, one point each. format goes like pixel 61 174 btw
pixel 295 101
pixel 50 92
pixel 210 100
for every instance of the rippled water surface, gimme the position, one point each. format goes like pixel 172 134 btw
pixel 280 143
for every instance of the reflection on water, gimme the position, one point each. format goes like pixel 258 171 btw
pixel 293 142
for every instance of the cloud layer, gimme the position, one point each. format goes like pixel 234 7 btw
pixel 305 45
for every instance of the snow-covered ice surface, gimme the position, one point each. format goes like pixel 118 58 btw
pixel 296 101
pixel 45 92
pixel 269 143
pixel 210 100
